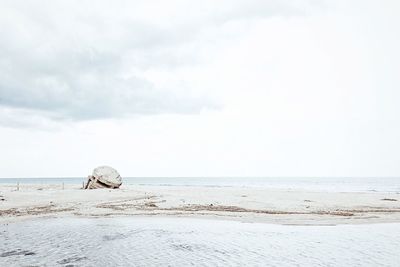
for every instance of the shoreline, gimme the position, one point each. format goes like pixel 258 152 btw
pixel 258 205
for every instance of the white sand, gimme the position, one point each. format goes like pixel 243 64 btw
pixel 232 203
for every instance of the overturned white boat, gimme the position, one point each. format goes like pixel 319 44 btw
pixel 104 177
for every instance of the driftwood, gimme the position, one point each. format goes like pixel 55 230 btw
pixel 103 177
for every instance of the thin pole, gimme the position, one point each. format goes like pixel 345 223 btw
pixel 63 185
pixel 17 186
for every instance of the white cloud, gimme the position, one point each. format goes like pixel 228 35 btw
pixel 303 87
pixel 79 61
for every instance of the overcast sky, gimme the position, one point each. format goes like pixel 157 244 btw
pixel 200 88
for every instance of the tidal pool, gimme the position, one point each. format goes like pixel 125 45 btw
pixel 155 241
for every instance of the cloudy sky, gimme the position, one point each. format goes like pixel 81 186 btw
pixel 200 88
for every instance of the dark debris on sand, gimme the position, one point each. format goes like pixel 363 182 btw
pixel 17 252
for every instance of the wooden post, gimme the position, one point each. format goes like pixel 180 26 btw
pixel 83 185
pixel 63 186
pixel 17 186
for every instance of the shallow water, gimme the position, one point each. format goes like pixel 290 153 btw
pixel 336 184
pixel 139 241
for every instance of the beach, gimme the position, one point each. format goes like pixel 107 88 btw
pixel 245 204
pixel 198 225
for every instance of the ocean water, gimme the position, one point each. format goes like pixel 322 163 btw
pixel 345 184
pixel 141 241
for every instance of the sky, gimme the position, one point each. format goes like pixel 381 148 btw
pixel 200 88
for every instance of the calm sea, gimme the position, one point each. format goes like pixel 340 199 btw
pixel 345 184
pixel 137 241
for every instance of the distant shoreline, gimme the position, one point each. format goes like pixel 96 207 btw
pixel 333 184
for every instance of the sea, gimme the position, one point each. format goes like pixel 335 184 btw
pixel 141 241
pixel 333 184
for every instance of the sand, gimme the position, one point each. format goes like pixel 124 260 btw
pixel 228 203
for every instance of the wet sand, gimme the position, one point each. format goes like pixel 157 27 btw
pixel 228 203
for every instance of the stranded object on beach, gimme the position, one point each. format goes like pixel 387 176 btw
pixel 104 177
